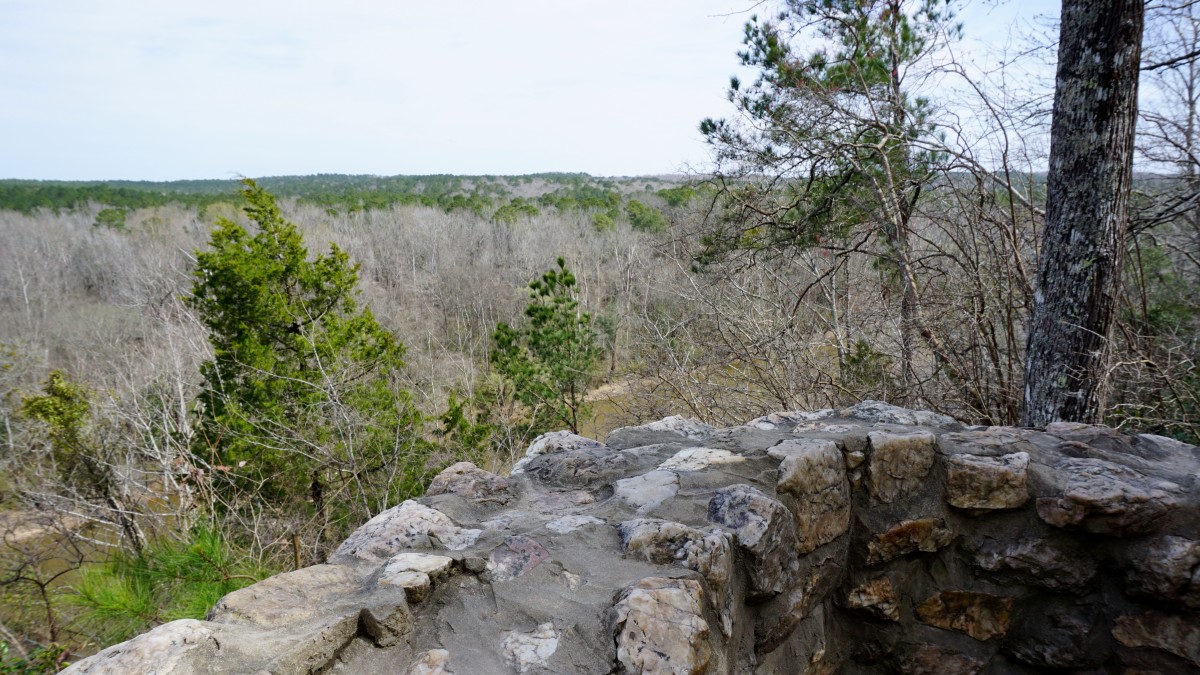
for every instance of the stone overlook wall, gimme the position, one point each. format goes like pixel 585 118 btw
pixel 866 540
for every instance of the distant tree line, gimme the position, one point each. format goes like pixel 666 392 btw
pixel 337 193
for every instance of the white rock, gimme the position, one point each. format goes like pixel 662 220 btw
pixel 676 424
pixel 822 426
pixel 708 552
pixel 432 662
pixel 553 441
pixel 661 627
pixel 408 525
pixel 155 652
pixel 647 491
pixel 881 412
pixel 799 447
pixel 416 585
pixel 791 417
pixel 436 566
pixel 574 581
pixel 975 482
pixel 899 463
pixel 571 523
pixel 525 651
pixel 695 459
pixel 814 473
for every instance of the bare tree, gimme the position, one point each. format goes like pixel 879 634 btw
pixel 1156 374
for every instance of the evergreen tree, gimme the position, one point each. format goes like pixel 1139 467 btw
pixel 551 359
pixel 300 396
pixel 831 148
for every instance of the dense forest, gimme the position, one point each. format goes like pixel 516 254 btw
pixel 339 193
pixel 206 382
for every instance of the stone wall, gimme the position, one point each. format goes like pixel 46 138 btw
pixel 867 540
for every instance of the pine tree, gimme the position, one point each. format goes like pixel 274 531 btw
pixel 551 359
pixel 830 148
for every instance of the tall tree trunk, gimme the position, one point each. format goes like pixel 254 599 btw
pixel 1087 204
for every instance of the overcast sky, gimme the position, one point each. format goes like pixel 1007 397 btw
pixel 171 89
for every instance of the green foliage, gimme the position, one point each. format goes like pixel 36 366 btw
pixel 172 579
pixel 113 218
pixel 334 194
pixel 40 661
pixel 1171 304
pixel 301 388
pixel 866 369
pixel 64 411
pixel 551 359
pixel 825 142
pixel 863 42
pixel 583 197
pixel 466 430
pixel 677 196
pixel 63 407
pixel 1159 392
pixel 645 218
pixel 517 208
pixel 603 222
pixel 350 194
pixel 26 196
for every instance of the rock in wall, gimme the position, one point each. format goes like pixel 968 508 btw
pixel 867 540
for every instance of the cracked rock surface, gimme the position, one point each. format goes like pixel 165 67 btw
pixel 871 539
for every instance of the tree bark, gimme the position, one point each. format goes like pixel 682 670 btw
pixel 1087 205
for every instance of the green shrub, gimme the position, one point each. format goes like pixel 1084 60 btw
pixel 172 579
pixel 645 218
pixel 39 661
pixel 111 218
